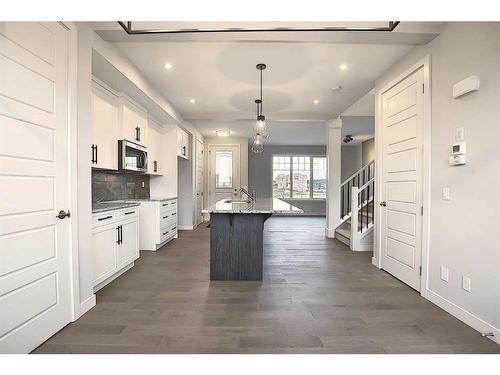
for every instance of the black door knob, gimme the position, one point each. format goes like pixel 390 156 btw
pixel 62 214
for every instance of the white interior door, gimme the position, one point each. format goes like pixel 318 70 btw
pixel 35 285
pixel 199 181
pixel 401 220
pixel 224 172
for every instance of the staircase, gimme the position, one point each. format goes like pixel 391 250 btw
pixel 357 209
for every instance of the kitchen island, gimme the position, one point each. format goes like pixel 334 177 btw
pixel 236 236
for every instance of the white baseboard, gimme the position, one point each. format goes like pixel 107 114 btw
pixel 187 227
pixel 375 262
pixel 363 248
pixel 87 305
pixel 468 318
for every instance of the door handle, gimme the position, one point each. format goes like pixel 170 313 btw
pixel 383 203
pixel 62 214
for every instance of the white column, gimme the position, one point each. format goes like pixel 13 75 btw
pixel 333 144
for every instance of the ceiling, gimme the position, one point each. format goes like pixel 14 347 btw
pixel 218 72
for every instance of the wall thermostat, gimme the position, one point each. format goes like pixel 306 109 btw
pixel 457 154
pixel 458 148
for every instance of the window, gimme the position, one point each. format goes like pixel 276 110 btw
pixel 281 176
pixel 319 181
pixel 299 177
pixel 223 169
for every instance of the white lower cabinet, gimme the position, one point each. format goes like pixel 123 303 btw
pixel 115 244
pixel 158 223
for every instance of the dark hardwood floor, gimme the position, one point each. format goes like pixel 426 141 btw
pixel 317 297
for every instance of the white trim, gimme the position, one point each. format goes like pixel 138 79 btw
pixel 468 318
pixel 360 248
pixel 72 75
pixel 186 227
pixel 424 63
pixel 87 305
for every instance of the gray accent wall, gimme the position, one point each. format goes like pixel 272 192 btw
pixel 351 161
pixel 260 174
pixel 111 185
pixel 368 151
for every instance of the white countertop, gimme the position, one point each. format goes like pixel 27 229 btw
pixel 260 206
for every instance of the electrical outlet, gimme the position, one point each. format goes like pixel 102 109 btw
pixel 446 193
pixel 459 134
pixel 466 283
pixel 142 184
pixel 445 273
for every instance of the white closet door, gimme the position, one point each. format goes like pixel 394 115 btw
pixel 35 286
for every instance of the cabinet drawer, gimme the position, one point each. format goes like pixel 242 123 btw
pixel 104 218
pixel 170 205
pixel 167 233
pixel 167 217
pixel 129 213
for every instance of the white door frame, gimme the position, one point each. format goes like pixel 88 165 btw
pixel 73 163
pixel 424 63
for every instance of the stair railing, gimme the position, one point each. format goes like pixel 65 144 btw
pixel 358 179
pixel 362 211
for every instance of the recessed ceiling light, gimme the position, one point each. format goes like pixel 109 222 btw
pixel 316 101
pixel 222 133
pixel 168 66
pixel 343 67
pixel 192 101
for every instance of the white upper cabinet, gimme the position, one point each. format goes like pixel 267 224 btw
pixel 156 162
pixel 104 149
pixel 133 121
pixel 182 144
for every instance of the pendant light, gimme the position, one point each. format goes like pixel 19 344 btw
pixel 257 146
pixel 261 127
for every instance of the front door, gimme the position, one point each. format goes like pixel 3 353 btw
pixel 224 172
pixel 401 167
pixel 35 253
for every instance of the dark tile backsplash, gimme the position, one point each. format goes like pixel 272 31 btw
pixel 109 185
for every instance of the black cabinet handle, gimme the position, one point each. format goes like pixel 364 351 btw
pixel 94 154
pixel 138 134
pixel 175 213
pixel 118 234
pixel 164 204
pixel 174 228
pixel 119 230
pixel 155 166
pixel 104 218
pixel 121 233
pixel 129 213
pixel 164 233
pixel 183 150
pixel 164 217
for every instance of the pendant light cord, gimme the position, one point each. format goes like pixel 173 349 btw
pixel 261 102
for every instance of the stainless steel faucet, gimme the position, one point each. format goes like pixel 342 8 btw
pixel 250 196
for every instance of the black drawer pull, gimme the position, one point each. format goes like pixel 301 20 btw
pixel 164 217
pixel 104 218
pixel 165 204
pixel 174 228
pixel 129 213
pixel 164 233
pixel 175 213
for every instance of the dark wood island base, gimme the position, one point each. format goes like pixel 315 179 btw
pixel 236 246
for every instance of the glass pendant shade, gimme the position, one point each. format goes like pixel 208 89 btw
pixel 261 127
pixel 257 146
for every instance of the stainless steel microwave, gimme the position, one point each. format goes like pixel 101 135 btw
pixel 132 157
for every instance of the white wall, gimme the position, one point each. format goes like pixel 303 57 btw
pixel 367 151
pixel 243 143
pixel 465 231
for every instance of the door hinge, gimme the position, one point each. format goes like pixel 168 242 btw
pixel 420 270
pixel 423 88
pixel 422 210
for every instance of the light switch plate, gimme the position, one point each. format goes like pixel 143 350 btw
pixel 466 283
pixel 446 194
pixel 445 274
pixel 459 134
